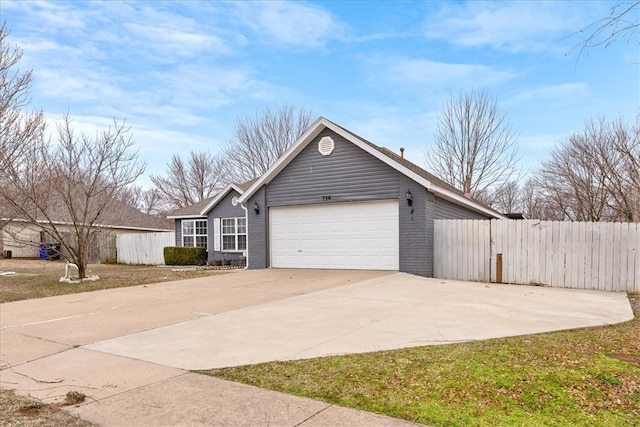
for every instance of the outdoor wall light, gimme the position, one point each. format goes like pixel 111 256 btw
pixel 256 208
pixel 409 197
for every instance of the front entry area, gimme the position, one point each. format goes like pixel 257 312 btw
pixel 359 235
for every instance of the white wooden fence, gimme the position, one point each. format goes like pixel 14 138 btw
pixel 144 248
pixel 583 255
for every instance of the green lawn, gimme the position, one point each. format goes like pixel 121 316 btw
pixel 560 379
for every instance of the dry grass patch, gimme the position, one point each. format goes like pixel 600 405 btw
pixel 37 279
pixel 562 378
pixel 20 411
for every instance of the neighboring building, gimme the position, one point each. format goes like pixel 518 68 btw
pixel 332 201
pixel 217 223
pixel 22 240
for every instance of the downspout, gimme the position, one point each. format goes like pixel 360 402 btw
pixel 246 216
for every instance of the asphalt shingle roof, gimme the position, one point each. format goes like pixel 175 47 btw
pixel 196 208
pixel 118 215
pixel 411 166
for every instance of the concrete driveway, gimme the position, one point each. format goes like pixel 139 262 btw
pixel 127 347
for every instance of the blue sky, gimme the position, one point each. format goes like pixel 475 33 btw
pixel 181 72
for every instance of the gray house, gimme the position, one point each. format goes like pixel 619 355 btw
pixel 218 223
pixel 337 201
pixel 333 201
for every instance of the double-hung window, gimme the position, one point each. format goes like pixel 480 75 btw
pixel 234 234
pixel 194 232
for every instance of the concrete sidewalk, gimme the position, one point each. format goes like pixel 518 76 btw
pixel 129 349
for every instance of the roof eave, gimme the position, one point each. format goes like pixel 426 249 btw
pixel 221 195
pixel 71 224
pixel 458 199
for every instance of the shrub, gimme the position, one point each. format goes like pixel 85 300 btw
pixel 180 255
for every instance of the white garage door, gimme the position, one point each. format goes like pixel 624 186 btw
pixel 360 235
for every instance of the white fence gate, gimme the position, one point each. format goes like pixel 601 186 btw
pixel 144 248
pixel 583 255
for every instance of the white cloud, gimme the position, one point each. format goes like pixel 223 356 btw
pixel 516 26
pixel 173 43
pixel 539 106
pixel 547 93
pixel 290 23
pixel 426 72
pixel 206 86
pixel 101 67
pixel 56 15
pixel 81 124
pixel 81 85
pixel 418 73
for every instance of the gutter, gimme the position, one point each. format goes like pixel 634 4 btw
pixel 246 215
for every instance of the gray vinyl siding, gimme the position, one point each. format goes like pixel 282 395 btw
pixel 349 174
pixel 223 209
pixel 448 210
pixel 414 242
pixel 258 244
pixel 429 225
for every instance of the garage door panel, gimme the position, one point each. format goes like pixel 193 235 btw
pixel 340 235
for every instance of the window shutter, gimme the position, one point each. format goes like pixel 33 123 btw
pixel 217 235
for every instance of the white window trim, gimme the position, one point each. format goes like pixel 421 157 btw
pixel 235 234
pixel 217 238
pixel 195 235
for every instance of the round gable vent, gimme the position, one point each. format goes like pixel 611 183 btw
pixel 326 145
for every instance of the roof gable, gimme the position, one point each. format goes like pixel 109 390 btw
pixel 202 208
pixel 405 167
pixel 217 198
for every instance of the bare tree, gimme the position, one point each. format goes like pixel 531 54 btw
pixel 595 174
pixel 622 21
pixel 148 200
pixel 259 141
pixel 19 129
pixel 507 199
pixel 614 149
pixel 631 152
pixel 153 202
pixel 573 185
pixel 535 203
pixel 188 182
pixel 475 148
pixel 68 189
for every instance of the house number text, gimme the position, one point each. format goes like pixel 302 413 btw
pixel 326 198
